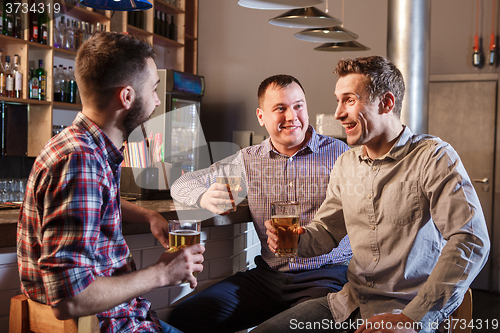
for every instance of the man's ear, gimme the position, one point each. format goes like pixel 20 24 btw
pixel 388 102
pixel 127 96
pixel 260 118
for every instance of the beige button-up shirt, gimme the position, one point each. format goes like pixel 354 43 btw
pixel 416 226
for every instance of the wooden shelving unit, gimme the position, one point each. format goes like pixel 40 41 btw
pixel 180 54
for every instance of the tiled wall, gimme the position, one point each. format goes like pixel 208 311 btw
pixel 228 249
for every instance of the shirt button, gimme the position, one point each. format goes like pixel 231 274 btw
pixel 373 227
pixel 290 159
pixel 369 196
pixel 375 259
pixel 292 259
pixel 291 184
pixel 375 168
pixel 369 284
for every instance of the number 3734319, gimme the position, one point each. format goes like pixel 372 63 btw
pixel 476 324
pixel 22 7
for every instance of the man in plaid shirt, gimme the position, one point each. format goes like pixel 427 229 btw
pixel 71 251
pixel 293 165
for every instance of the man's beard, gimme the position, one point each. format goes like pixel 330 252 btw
pixel 136 117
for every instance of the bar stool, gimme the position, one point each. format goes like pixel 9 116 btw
pixel 30 316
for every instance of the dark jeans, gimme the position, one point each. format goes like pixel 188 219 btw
pixel 248 298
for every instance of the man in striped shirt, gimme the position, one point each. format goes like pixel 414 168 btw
pixel 293 165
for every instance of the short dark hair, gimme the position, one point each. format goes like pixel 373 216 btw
pixel 383 76
pixel 110 60
pixel 279 80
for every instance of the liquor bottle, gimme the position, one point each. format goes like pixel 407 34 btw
pixel 8 19
pixel 164 25
pixel 60 38
pixel 9 78
pixel 172 30
pixel 33 25
pixel 41 76
pixel 72 87
pixel 156 22
pixel 78 35
pixel 18 25
pixel 59 85
pixel 43 27
pixel 1 18
pixel 33 84
pixel 70 36
pixel 18 78
pixel 2 77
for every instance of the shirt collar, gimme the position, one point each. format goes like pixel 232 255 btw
pixel 397 151
pixel 312 145
pixel 101 140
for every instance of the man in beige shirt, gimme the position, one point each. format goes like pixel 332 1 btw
pixel 417 230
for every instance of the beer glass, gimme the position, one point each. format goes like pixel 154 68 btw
pixel 183 233
pixel 285 217
pixel 230 175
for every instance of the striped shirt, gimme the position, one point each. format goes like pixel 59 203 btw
pixel 69 229
pixel 270 176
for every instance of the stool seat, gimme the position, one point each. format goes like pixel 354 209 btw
pixel 27 316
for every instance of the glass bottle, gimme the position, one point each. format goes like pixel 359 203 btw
pixel 18 78
pixel 33 25
pixel 41 75
pixel 18 25
pixel 33 84
pixel 70 36
pixel 61 33
pixel 72 87
pixel 43 27
pixel 59 85
pixel 172 30
pixel 8 19
pixel 9 78
pixel 2 77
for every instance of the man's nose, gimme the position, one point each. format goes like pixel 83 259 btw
pixel 290 114
pixel 339 112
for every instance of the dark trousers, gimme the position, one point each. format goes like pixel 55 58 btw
pixel 248 298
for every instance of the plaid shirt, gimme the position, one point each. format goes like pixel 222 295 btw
pixel 271 176
pixel 69 228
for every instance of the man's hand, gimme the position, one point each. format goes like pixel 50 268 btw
pixel 159 229
pixel 179 266
pixel 272 237
pixel 218 194
pixel 388 323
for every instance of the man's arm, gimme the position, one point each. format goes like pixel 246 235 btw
pixel 456 212
pixel 105 293
pixel 138 214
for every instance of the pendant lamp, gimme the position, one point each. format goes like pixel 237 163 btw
pixel 342 46
pixel 310 17
pixel 117 5
pixel 326 35
pixel 278 4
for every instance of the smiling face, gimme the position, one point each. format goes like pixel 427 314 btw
pixel 358 115
pixel 145 101
pixel 283 111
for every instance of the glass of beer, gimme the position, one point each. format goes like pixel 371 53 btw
pixel 183 233
pixel 285 216
pixel 230 175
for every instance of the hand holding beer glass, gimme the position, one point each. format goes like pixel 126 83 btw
pixel 285 217
pixel 229 175
pixel 183 233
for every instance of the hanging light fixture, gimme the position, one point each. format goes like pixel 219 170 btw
pixel 310 17
pixel 326 35
pixel 278 4
pixel 342 46
pixel 336 34
pixel 117 5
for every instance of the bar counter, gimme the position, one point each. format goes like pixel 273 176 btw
pixel 167 208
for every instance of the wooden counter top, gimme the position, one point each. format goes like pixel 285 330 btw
pixel 167 208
